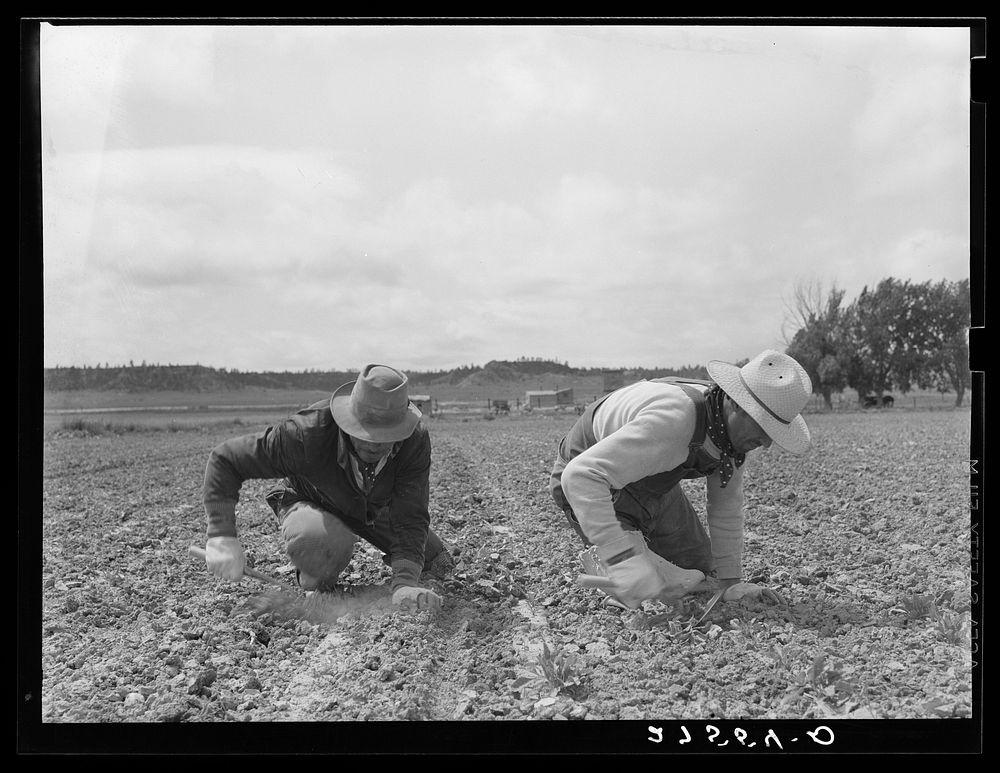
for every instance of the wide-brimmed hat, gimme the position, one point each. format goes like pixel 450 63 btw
pixel 376 407
pixel 773 388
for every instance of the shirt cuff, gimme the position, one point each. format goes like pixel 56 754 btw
pixel 620 548
pixel 221 519
pixel 728 570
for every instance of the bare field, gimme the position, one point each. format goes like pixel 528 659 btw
pixel 253 407
pixel 585 389
pixel 867 538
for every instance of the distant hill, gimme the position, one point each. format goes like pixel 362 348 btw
pixel 505 372
pixel 201 378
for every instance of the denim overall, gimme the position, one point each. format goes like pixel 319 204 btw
pixel 655 506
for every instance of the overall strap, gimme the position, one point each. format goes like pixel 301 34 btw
pixel 698 463
pixel 701 420
pixel 701 414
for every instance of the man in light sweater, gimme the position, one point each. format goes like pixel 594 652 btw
pixel 355 466
pixel 617 475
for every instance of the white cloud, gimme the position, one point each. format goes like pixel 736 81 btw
pixel 187 214
pixel 914 127
pixel 523 78
pixel 928 255
pixel 278 197
pixel 176 64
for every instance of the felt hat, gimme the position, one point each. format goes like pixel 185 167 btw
pixel 773 388
pixel 376 407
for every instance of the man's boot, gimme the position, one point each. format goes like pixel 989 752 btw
pixel 438 561
pixel 440 567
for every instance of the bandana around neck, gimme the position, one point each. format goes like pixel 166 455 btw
pixel 365 473
pixel 368 473
pixel 719 434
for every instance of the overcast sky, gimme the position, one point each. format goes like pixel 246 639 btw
pixel 290 197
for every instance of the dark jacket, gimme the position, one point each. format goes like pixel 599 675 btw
pixel 309 450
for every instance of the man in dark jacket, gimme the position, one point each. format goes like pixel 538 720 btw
pixel 355 467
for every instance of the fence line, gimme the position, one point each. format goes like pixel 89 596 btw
pixel 910 401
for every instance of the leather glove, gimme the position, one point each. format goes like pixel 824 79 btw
pixel 412 598
pixel 629 568
pixel 677 582
pixel 224 556
pixel 749 590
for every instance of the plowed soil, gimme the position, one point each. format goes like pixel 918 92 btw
pixel 867 538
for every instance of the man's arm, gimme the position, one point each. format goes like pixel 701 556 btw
pixel 724 510
pixel 725 520
pixel 409 514
pixel 654 441
pixel 272 453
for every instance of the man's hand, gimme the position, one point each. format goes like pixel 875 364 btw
pixel 224 557
pixel 677 582
pixel 632 575
pixel 635 579
pixel 749 590
pixel 412 598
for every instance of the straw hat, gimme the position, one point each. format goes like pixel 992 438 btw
pixel 773 388
pixel 376 407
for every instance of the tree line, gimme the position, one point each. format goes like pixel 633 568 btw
pixel 897 335
pixel 200 378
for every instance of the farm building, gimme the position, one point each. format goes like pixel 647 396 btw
pixel 424 404
pixel 549 398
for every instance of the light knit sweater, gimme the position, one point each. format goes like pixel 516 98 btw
pixel 642 430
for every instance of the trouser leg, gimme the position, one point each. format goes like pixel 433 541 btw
pixel 437 558
pixel 319 544
pixel 668 522
pixel 675 532
pixel 432 547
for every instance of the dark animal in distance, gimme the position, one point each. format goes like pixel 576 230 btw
pixel 871 401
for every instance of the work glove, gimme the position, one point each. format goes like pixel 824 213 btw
pixel 224 556
pixel 412 598
pixel 749 590
pixel 633 576
pixel 677 582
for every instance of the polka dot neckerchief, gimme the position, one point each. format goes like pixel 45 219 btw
pixel 368 472
pixel 365 473
pixel 719 434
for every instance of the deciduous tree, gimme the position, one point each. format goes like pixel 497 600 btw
pixel 819 341
pixel 946 361
pixel 873 336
